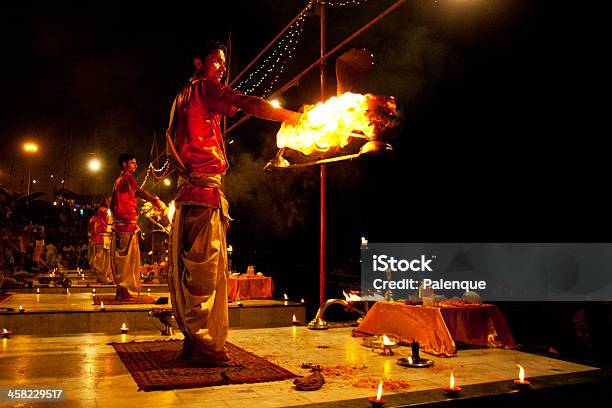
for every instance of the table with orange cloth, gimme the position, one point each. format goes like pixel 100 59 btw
pixel 437 328
pixel 243 287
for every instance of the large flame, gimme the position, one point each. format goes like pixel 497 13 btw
pixel 328 124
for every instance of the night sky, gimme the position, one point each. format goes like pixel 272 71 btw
pixel 497 143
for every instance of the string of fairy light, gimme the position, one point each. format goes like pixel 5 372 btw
pixel 164 169
pixel 264 78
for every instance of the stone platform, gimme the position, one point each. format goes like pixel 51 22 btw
pixel 92 375
pixel 68 313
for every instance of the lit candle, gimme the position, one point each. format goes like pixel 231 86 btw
pixel 285 296
pixel 378 402
pixel 21 309
pixel 37 291
pixel 364 242
pixel 452 390
pixel 522 382
pixel 124 329
pixel 295 321
pixel 148 291
pixel 102 308
pixel 6 334
pixel 302 301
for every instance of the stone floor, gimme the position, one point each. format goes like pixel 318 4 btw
pixel 93 375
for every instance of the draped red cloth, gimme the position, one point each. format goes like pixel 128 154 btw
pixel 257 287
pixel 437 328
pixel 199 140
pixel 124 203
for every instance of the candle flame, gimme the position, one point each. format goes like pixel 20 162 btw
pixel 364 241
pixel 20 307
pixel 521 373
pixel 4 331
pixel 409 360
pixel 230 249
pixel 380 388
pixel 387 341
pixel 123 327
pixel 285 297
pixel 109 212
pixel 294 319
pixel 101 304
pixel 451 383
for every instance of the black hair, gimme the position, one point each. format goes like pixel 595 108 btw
pixel 208 47
pixel 124 158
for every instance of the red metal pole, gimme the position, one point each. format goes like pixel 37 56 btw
pixel 323 235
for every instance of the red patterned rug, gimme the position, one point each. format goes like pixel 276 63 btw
pixel 5 296
pixel 110 300
pixel 155 365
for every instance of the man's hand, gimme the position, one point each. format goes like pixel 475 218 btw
pixel 161 205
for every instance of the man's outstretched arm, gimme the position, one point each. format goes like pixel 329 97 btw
pixel 261 108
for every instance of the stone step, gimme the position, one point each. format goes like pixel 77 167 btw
pixel 253 314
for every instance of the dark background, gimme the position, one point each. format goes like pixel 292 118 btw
pixel 503 138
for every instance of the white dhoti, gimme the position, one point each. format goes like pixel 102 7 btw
pixel 198 281
pixel 101 262
pixel 126 263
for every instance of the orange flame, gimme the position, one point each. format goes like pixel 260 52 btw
pixel 328 124
pixel 380 388
pixel 521 373
pixel 387 341
pixel 294 319
pixel 351 296
pixel 171 210
pixel 4 331
pixel 123 326
pixel 451 383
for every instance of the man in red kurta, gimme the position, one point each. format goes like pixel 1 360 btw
pixel 198 265
pixel 100 246
pixel 124 244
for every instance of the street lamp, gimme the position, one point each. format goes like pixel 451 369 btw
pixel 94 165
pixel 30 149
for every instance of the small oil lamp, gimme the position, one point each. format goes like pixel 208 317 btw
pixel 387 346
pixel 286 298
pixel 239 304
pixel 6 334
pixel 124 329
pixel 21 309
pixel 102 308
pixel 522 383
pixel 295 321
pixel 452 390
pixel 38 291
pixel 378 401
